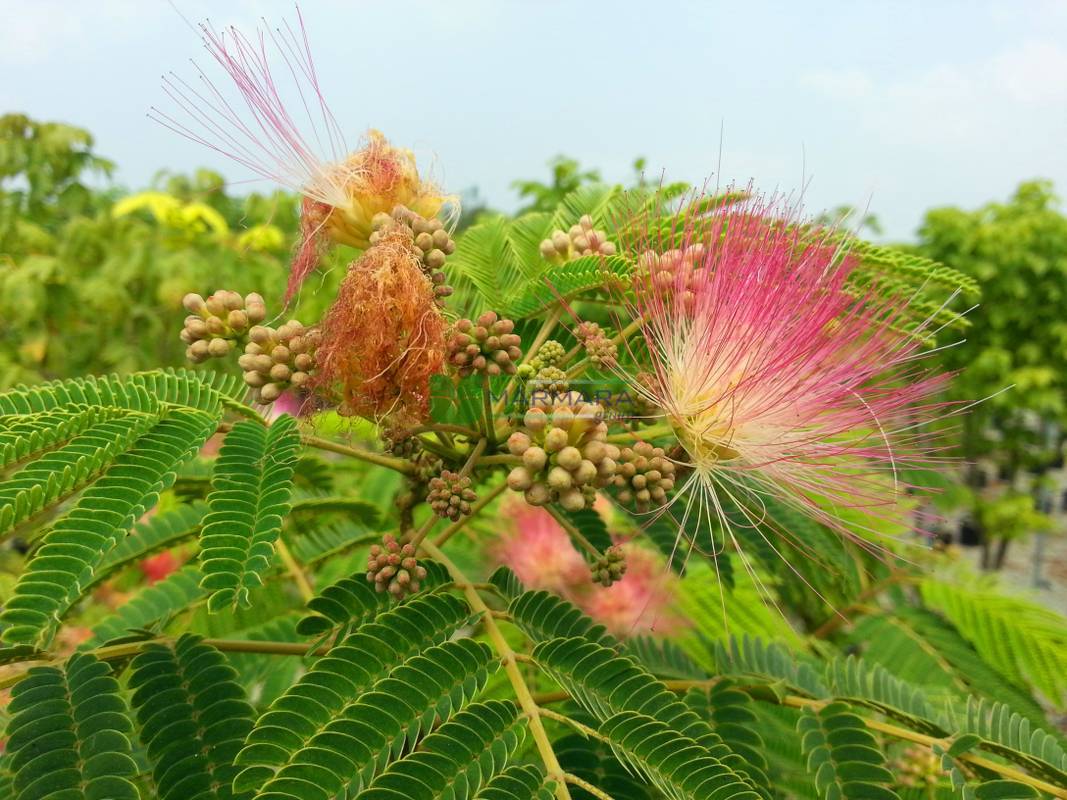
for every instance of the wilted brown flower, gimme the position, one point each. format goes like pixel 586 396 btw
pixel 384 336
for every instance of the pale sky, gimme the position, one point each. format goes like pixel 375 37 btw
pixel 899 105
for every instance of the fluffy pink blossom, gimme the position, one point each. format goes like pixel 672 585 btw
pixel 542 556
pixel 639 603
pixel 273 119
pixel 539 552
pixel 781 377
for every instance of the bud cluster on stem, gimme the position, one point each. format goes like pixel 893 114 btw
pixel 216 325
pixel 565 457
pixel 275 360
pixel 582 239
pixel 431 244
pixel 487 346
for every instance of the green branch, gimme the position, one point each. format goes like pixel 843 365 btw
pixel 511 668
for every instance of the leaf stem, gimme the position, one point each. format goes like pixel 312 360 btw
pixel 487 405
pixel 502 458
pixel 542 336
pixel 303 585
pixel 585 730
pixel 511 668
pixel 572 531
pixel 600 794
pixel 398 464
pixel 436 427
pixel 663 429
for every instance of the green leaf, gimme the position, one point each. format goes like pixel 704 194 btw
pixel 457 759
pixel 507 582
pixel 151 605
pixel 605 683
pixel 523 782
pixel 192 718
pixel 674 763
pixel 353 601
pixel 58 474
pixel 663 658
pixel 383 683
pixel 161 532
pixel 69 734
pixel 1025 642
pixel 844 755
pixel 250 495
pixel 543 616
pixel 79 542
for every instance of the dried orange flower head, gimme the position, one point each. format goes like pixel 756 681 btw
pixel 384 336
pixel 271 125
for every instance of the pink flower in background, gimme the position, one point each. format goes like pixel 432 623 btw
pixel 156 568
pixel 290 403
pixel 542 556
pixel 640 602
pixel 782 377
pixel 273 119
pixel 539 551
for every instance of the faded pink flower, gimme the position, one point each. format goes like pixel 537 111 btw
pixel 539 551
pixel 542 556
pixel 780 377
pixel 639 603
pixel 279 126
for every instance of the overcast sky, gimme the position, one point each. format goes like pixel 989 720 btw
pixel 902 105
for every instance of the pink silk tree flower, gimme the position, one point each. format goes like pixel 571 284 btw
pixel 539 552
pixel 640 602
pixel 781 377
pixel 542 556
pixel 277 124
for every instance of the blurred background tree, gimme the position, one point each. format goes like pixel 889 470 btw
pixel 1017 251
pixel 91 280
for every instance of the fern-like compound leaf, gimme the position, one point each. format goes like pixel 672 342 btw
pixel 161 532
pixel 365 696
pixel 457 759
pixel 61 472
pixel 69 734
pixel 250 493
pixel 844 755
pixel 605 683
pixel 353 601
pixel 192 717
pixel 676 764
pixel 1025 642
pixel 79 542
pixel 542 616
pixel 520 782
pixel 150 605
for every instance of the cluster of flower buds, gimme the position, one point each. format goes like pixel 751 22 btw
pixel 598 347
pixel 551 380
pixel 431 241
pixel 393 568
pixel 216 324
pixel 274 360
pixel 486 346
pixel 450 495
pixel 918 767
pixel 643 476
pixel 550 354
pixel 581 240
pixel 610 567
pixel 565 457
pixel 400 442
